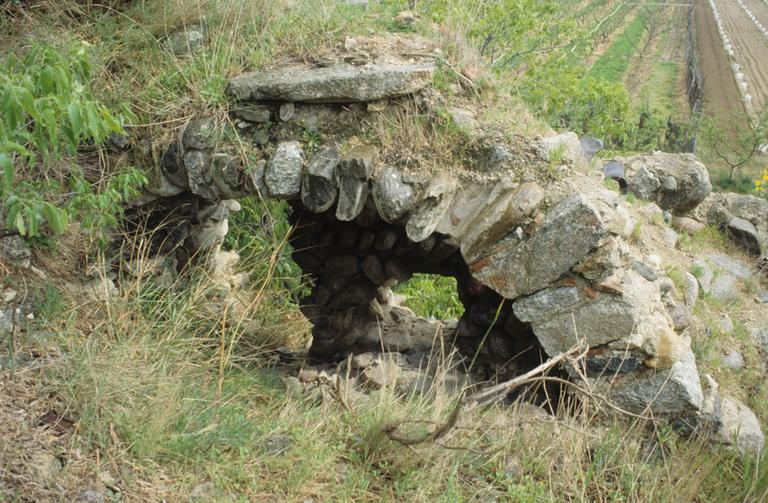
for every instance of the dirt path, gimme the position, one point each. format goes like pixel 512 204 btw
pixel 721 96
pixel 751 49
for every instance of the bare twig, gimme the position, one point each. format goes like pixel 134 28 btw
pixel 503 388
pixel 485 396
pixel 391 429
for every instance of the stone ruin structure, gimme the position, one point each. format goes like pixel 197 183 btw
pixel 541 250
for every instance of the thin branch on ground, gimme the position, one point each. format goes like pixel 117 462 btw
pixel 470 402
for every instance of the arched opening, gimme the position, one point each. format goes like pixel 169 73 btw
pixel 354 267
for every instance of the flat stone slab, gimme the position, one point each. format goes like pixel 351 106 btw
pixel 334 84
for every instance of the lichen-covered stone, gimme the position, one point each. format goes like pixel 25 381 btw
pixel 429 211
pixel 318 183
pixel 334 84
pixel 522 266
pixel 198 166
pixel 561 317
pixel 254 179
pixel 227 176
pixel 565 146
pixel 199 134
pixel 251 112
pixel 352 177
pixel 746 235
pixel 673 391
pixel 283 172
pixel 393 196
pixel 499 218
pixel 677 182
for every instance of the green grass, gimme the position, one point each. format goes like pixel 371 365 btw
pixel 433 296
pixel 169 411
pixel 613 64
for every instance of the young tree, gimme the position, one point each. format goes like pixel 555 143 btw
pixel 739 148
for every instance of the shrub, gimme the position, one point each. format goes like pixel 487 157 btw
pixel 49 111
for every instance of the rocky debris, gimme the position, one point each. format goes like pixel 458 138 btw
pixel 672 391
pixel 318 183
pixel 252 112
pixel 287 112
pixel 726 325
pixel 14 252
pixel 691 290
pixel 681 317
pixel 283 173
pixel 725 288
pixel 745 234
pixel 730 422
pixel 762 297
pixel 90 496
pixel 199 134
pixel 670 238
pixel 687 225
pixel 565 146
pixel 406 18
pixel 645 270
pixel 293 387
pixel 212 226
pixel 760 336
pixel 45 466
pixel 734 360
pixel 704 275
pixel 729 265
pixel 208 492
pixel 590 147
pixel 276 443
pixel 352 176
pixel 383 372
pixel 678 182
pixel 463 119
pixel 197 165
pixel 186 41
pixel 334 84
pixel 745 217
pixel 721 275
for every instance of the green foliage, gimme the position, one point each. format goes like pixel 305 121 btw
pixel 49 110
pixel 432 296
pixel 507 32
pixel 99 208
pixel 259 228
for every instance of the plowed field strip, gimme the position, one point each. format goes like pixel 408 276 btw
pixel 721 97
pixel 759 9
pixel 751 49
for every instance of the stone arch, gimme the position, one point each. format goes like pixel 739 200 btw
pixel 559 261
pixel 353 266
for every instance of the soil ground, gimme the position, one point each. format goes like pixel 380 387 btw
pixel 750 45
pixel 721 96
